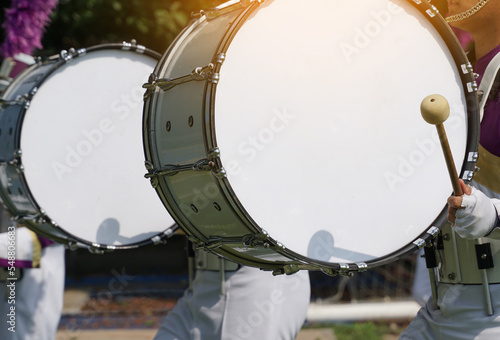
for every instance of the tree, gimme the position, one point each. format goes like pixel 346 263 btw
pixel 84 23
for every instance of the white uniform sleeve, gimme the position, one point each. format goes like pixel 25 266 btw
pixel 495 233
pixel 478 217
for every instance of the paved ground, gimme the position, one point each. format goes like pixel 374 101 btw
pixel 76 303
pixel 75 300
pixel 308 334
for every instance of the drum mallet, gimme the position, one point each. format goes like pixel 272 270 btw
pixel 436 110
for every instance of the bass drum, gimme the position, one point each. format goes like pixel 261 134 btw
pixel 287 134
pixel 71 157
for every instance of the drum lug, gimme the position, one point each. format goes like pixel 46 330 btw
pixel 214 78
pixel 157 240
pixel 133 46
pixel 220 173
pixel 420 243
pixel 41 217
pixel 212 244
pixel 65 55
pixel 71 246
pixel 150 167
pixel 149 86
pixel 16 161
pixel 198 74
pixel 289 269
pixel 222 10
pixel 221 57
pixel 473 157
pixel 472 86
pixel 434 232
pixel 171 170
pixel 468 175
pixel 362 267
pixel 20 100
pixel 94 249
pixel 467 68
pixel 214 153
pixel 344 270
pixel 259 240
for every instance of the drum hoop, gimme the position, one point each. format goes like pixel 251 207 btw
pixel 38 221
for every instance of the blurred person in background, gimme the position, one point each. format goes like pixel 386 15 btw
pixel 232 302
pixel 31 304
pixel 32 287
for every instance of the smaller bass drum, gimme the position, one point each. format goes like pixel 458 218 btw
pixel 71 157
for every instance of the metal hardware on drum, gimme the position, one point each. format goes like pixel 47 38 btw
pixel 224 9
pixel 252 241
pixel 20 100
pixel 433 232
pixel 259 240
pixel 213 243
pixel 198 74
pixel 171 170
pixel 207 164
pixel 133 46
pixel 345 270
pixel 468 68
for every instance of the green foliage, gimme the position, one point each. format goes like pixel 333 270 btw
pixel 153 23
pixel 356 331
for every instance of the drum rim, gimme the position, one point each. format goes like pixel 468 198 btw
pixel 460 58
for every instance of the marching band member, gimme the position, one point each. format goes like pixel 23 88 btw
pixel 31 304
pixel 466 304
pixel 227 301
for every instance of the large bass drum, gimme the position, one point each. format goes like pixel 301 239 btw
pixel 71 156
pixel 287 134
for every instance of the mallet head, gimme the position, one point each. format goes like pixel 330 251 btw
pixel 435 109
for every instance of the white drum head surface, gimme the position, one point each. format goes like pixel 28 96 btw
pixel 318 121
pixel 83 153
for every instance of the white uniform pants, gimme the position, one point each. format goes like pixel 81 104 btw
pixel 38 299
pixel 256 306
pixel 461 315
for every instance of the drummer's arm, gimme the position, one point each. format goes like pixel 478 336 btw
pixel 474 215
pixel 495 233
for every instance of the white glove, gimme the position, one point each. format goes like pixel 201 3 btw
pixel 478 218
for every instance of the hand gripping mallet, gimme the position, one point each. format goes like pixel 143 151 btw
pixel 436 110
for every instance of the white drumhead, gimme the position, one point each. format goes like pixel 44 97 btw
pixel 83 154
pixel 318 121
